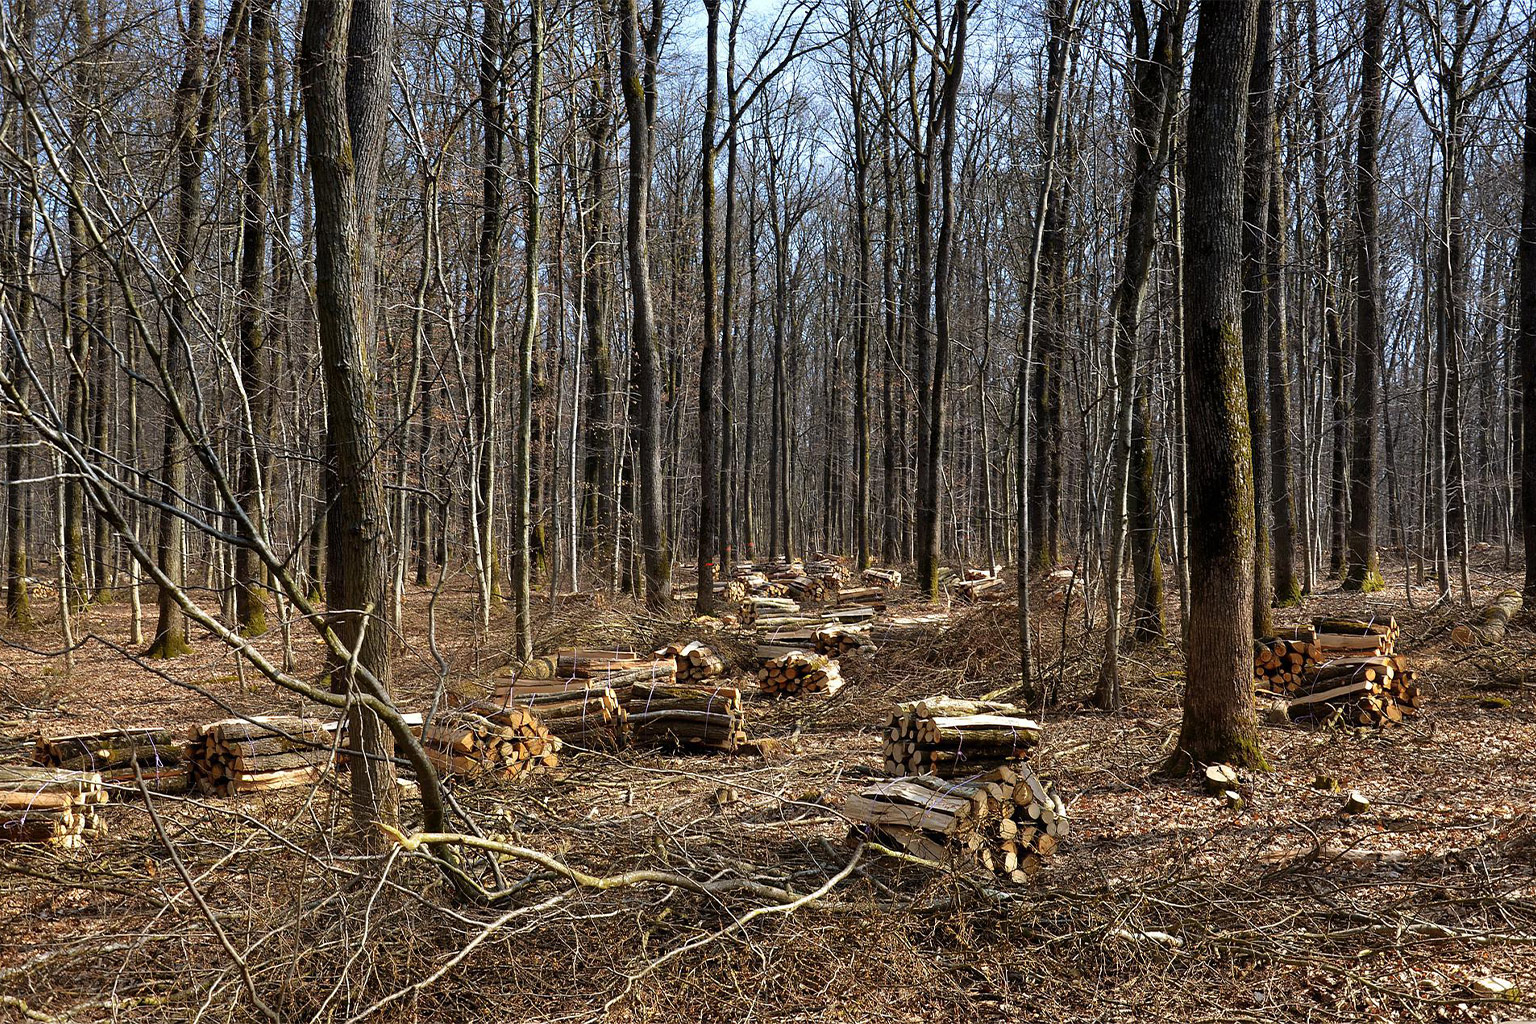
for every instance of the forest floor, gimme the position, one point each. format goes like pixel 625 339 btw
pixel 1285 910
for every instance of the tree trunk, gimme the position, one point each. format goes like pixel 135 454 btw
pixel 1256 293
pixel 1362 573
pixel 1219 723
pixel 357 535
pixel 522 458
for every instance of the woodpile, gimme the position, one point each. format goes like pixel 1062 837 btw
pixel 731 591
pixel 49 806
pixel 1281 663
pixel 239 755
pixel 987 588
pixel 768 609
pixel 949 737
pixel 1357 691
pixel 121 757
pixel 799 672
pixel 885 579
pixel 1491 623
pixel 1356 637
pixel 687 717
pixel 486 740
pixel 872 598
pixel 694 661
pixel 1004 823
pixel 835 641
pixel 580 712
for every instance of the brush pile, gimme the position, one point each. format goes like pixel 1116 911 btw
pixel 684 717
pixel 240 755
pixel 952 738
pixel 49 806
pixel 1003 823
pixel 799 672
pixel 121 757
pixel 580 712
pixel 485 740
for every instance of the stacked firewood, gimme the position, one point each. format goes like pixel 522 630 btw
pixel 833 569
pixel 1003 823
pixel 872 598
pixel 695 661
pixel 887 579
pixel 249 755
pixel 619 670
pixel 122 757
pixel 988 588
pixel 1357 691
pixel 1284 661
pixel 763 611
pixel 837 640
pixel 799 672
pixel 50 806
pixel 950 737
pixel 687 716
pixel 483 739
pixel 731 592
pixel 580 712
pixel 1373 638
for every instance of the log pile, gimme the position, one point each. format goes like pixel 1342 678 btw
pixel 885 579
pixel 580 712
pixel 617 670
pixel 1282 663
pixel 908 627
pixel 987 588
pixel 1373 638
pixel 837 640
pixel 767 609
pixel 121 757
pixel 799 672
pixel 1357 691
pixel 949 737
pixel 686 717
pixel 872 598
pixel 238 755
pixel 694 661
pixel 486 740
pixel 1004 823
pixel 49 806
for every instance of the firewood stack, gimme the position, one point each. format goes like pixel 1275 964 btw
pixel 49 806
pixel 1361 638
pixel 987 588
pixel 886 579
pixel 1357 691
pixel 695 662
pixel 238 755
pixel 580 712
pixel 949 737
pixel 686 717
pixel 731 591
pixel 872 598
pixel 907 627
pixel 121 757
pixel 1283 662
pixel 1004 823
pixel 619 670
pixel 837 640
pixel 762 610
pixel 797 673
pixel 483 740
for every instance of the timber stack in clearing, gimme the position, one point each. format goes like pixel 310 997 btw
pixel 1004 822
pixel 686 717
pixel 483 740
pixel 952 738
pixel 49 806
pixel 580 712
pixel 239 755
pixel 122 757
pixel 695 661
pixel 799 672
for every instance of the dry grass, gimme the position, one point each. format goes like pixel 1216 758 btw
pixel 1272 922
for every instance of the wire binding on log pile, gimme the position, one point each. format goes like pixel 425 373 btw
pixel 49 806
pixel 1004 823
pixel 239 755
pixel 683 717
pixel 482 740
pixel 799 672
pixel 951 738
pixel 580 712
pixel 122 756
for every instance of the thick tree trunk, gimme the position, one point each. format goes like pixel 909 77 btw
pixel 1219 722
pixel 1527 340
pixel 709 363
pixel 1282 481
pixel 488 300
pixel 523 469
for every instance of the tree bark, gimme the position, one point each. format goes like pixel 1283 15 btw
pixel 1219 723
